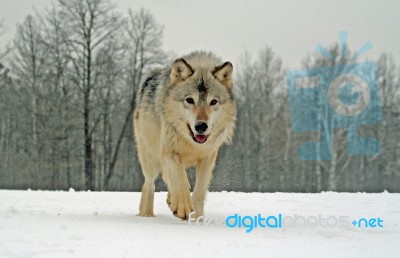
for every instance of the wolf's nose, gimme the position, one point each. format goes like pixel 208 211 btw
pixel 201 127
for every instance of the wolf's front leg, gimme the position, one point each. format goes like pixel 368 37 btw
pixel 178 188
pixel 203 177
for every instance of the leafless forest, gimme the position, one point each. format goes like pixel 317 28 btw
pixel 67 89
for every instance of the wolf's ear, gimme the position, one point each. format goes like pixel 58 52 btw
pixel 180 71
pixel 223 74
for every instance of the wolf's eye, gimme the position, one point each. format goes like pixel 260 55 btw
pixel 190 101
pixel 213 102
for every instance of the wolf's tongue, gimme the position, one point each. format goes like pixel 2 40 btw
pixel 200 138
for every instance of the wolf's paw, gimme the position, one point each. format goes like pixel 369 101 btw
pixel 146 214
pixel 145 210
pixel 180 205
pixel 196 216
pixel 197 213
pixel 197 205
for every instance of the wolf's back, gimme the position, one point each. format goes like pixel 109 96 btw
pixel 149 86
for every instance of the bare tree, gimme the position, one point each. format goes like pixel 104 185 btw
pixel 5 121
pixel 387 162
pixel 61 96
pixel 6 50
pixel 109 94
pixel 143 48
pixel 29 66
pixel 257 84
pixel 91 23
pixel 3 53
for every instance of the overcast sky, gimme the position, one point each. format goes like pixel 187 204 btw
pixel 228 28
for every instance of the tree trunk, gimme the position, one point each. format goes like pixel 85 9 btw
pixel 88 144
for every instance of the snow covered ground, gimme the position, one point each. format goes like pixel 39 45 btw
pixel 103 224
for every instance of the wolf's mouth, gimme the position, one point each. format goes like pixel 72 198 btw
pixel 199 138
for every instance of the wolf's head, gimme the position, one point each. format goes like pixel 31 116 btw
pixel 200 102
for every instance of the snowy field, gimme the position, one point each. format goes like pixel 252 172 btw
pixel 92 224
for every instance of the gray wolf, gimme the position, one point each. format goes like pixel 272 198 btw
pixel 184 113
